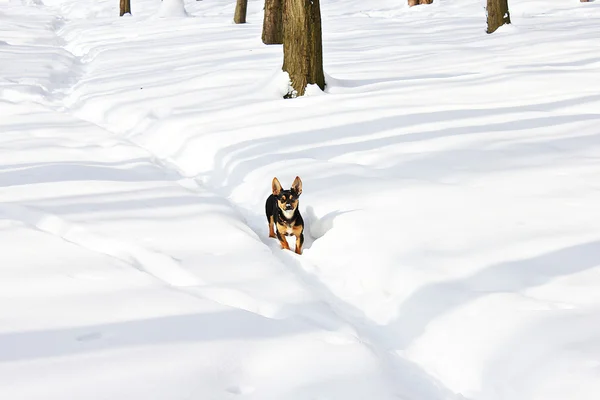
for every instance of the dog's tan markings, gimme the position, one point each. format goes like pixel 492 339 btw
pixel 281 236
pixel 276 186
pixel 297 231
pixel 281 229
pixel 271 225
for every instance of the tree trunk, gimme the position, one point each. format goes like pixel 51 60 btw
pixel 417 2
pixel 273 22
pixel 240 12
pixel 302 45
pixel 497 14
pixel 125 6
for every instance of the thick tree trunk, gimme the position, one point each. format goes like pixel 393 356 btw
pixel 125 7
pixel 417 2
pixel 273 22
pixel 497 14
pixel 302 45
pixel 240 12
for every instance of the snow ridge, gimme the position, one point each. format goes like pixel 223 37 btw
pixel 160 266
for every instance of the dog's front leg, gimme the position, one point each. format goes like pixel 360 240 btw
pixel 271 225
pixel 282 241
pixel 299 233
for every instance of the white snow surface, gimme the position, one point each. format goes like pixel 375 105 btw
pixel 451 191
pixel 172 8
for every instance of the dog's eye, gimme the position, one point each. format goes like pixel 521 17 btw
pixel 283 198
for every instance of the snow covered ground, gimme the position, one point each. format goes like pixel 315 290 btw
pixel 451 187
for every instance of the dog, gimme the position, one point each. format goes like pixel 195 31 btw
pixel 283 215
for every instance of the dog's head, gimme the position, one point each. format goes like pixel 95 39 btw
pixel 287 200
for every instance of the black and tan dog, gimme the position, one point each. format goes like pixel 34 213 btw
pixel 282 212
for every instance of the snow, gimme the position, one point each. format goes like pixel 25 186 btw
pixel 172 8
pixel 450 190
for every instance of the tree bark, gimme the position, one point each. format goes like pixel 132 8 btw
pixel 273 22
pixel 125 7
pixel 240 12
pixel 417 2
pixel 497 14
pixel 302 45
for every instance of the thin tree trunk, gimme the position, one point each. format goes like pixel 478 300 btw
pixel 302 45
pixel 125 7
pixel 497 14
pixel 273 22
pixel 240 12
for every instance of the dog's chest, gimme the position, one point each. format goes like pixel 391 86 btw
pixel 286 229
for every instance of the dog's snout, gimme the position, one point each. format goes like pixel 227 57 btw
pixel 288 206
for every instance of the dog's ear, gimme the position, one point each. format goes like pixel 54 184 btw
pixel 297 186
pixel 276 187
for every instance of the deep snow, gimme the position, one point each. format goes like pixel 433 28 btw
pixel 450 187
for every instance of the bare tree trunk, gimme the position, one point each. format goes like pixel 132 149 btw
pixel 273 22
pixel 125 7
pixel 417 2
pixel 240 12
pixel 302 44
pixel 497 14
